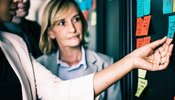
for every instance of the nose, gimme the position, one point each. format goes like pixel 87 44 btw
pixel 72 28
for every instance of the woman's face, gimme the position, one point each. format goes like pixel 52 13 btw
pixel 7 9
pixel 67 28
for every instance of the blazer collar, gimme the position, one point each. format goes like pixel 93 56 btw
pixel 90 58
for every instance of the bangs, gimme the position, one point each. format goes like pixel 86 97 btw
pixel 61 12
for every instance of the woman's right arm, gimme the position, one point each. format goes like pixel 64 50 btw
pixel 153 57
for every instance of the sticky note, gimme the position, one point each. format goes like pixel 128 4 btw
pixel 139 26
pixel 142 26
pixel 141 73
pixel 147 7
pixel 142 83
pixel 171 26
pixel 140 8
pixel 93 18
pixel 167 6
pixel 139 42
pixel 84 4
pixel 146 40
pixel 142 41
pixel 146 25
pixel 173 5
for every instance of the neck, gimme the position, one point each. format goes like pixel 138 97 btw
pixel 71 56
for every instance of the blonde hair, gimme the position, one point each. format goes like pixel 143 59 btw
pixel 46 44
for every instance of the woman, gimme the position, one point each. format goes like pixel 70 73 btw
pixel 62 40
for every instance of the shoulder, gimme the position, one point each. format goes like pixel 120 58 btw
pixel 13 38
pixel 46 58
pixel 99 56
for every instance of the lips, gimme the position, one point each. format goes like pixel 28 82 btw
pixel 23 6
pixel 74 37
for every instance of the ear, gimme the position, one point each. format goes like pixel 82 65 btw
pixel 51 33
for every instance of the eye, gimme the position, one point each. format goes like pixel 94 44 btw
pixel 76 19
pixel 61 23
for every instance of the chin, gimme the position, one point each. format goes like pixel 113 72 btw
pixel 74 44
pixel 21 14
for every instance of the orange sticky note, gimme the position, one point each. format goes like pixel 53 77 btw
pixel 142 41
pixel 146 25
pixel 143 26
pixel 139 26
pixel 85 13
pixel 139 42
pixel 147 40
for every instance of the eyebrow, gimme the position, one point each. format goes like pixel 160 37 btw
pixel 58 20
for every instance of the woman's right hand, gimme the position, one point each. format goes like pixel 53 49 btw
pixel 154 56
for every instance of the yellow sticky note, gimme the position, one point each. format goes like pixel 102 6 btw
pixel 141 73
pixel 173 5
pixel 142 83
pixel 93 18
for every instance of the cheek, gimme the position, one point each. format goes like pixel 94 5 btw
pixel 79 28
pixel 60 35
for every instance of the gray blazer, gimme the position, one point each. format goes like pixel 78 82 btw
pixel 95 62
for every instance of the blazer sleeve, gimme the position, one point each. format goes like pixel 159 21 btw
pixel 50 87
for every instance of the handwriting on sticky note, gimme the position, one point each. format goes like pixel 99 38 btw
pixel 140 8
pixel 141 73
pixel 143 7
pixel 142 83
pixel 139 26
pixel 147 7
pixel 142 41
pixel 142 26
pixel 167 6
pixel 171 26
pixel 139 42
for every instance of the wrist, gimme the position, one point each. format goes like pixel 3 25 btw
pixel 129 60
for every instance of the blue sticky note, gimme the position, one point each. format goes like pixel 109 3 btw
pixel 167 6
pixel 140 8
pixel 84 4
pixel 171 26
pixel 89 4
pixel 147 7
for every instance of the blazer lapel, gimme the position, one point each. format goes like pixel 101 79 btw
pixel 91 62
pixel 53 63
